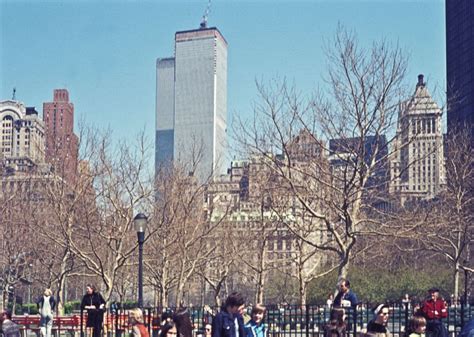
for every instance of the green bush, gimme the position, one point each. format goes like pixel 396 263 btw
pixel 30 308
pixel 381 285
pixel 129 305
pixel 71 306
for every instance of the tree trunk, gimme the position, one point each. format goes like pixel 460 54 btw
pixel 456 280
pixel 217 299
pixel 260 287
pixel 179 294
pixel 343 269
pixel 60 297
pixel 302 291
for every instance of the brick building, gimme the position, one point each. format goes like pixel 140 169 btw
pixel 61 142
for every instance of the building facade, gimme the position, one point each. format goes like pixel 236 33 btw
pixel 164 139
pixel 191 103
pixel 460 65
pixel 61 142
pixel 417 165
pixel 22 155
pixel 23 133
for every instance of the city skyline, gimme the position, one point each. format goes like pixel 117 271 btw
pixel 105 54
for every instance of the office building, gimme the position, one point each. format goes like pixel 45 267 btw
pixel 460 65
pixel 417 164
pixel 61 142
pixel 22 131
pixel 191 104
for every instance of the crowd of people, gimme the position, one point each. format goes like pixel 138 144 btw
pixel 229 321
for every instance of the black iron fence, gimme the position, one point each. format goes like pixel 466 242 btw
pixel 282 321
pixel 291 321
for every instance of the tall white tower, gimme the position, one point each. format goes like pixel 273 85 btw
pixel 417 168
pixel 199 107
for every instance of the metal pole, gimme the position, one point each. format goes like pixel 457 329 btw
pixel 141 239
pixel 466 283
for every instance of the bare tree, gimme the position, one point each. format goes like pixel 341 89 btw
pixel 185 225
pixel 349 120
pixel 450 230
pixel 94 216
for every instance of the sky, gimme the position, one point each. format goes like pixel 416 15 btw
pixel 104 52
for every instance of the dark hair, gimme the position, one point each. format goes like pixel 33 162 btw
pixel 433 290
pixel 92 287
pixel 165 315
pixel 7 313
pixel 336 326
pixel 183 323
pixel 414 323
pixel 167 327
pixel 235 300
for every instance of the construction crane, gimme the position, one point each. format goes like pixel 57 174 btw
pixel 205 15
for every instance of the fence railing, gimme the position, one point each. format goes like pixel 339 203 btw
pixel 282 321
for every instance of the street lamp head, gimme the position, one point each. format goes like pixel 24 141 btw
pixel 140 222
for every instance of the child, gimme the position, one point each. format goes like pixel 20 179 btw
pixel 416 327
pixel 255 327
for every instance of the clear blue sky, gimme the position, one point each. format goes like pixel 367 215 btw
pixel 104 52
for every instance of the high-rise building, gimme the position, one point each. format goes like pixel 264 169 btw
pixel 22 131
pixel 61 142
pixel 460 64
pixel 417 163
pixel 191 103
pixel 164 140
pixel 344 154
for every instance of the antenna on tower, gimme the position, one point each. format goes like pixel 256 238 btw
pixel 205 15
pixel 14 94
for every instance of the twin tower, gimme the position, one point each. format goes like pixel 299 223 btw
pixel 191 104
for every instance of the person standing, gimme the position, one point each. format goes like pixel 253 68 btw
pixel 94 303
pixel 228 322
pixel 8 328
pixel 46 305
pixel 378 325
pixel 434 309
pixel 255 327
pixel 345 297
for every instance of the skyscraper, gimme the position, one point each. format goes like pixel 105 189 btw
pixel 191 104
pixel 61 142
pixel 417 163
pixel 460 64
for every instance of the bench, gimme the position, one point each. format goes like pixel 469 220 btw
pixel 70 324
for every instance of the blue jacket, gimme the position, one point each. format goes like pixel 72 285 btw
pixel 349 296
pixel 254 330
pixel 223 325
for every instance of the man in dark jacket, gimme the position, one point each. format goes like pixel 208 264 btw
pixel 229 322
pixel 345 297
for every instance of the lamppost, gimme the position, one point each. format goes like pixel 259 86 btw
pixel 140 222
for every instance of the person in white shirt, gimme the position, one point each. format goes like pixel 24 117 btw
pixel 46 305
